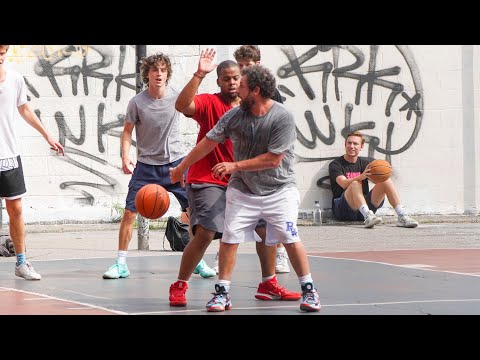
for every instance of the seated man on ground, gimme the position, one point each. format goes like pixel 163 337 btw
pixel 352 198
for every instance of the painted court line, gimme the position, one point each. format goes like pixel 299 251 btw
pixel 48 297
pixel 323 306
pixel 423 267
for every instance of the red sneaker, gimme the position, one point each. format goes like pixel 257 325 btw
pixel 272 290
pixel 177 293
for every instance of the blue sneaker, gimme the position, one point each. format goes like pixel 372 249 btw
pixel 220 301
pixel 310 298
pixel 117 271
pixel 203 269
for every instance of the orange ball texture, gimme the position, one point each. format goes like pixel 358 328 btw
pixel 381 170
pixel 152 201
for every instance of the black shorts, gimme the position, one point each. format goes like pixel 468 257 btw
pixel 344 212
pixel 12 182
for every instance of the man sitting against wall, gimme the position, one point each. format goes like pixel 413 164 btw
pixel 352 198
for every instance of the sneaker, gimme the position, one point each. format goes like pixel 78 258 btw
pixel 220 301
pixel 203 269
pixel 177 293
pixel 281 262
pixel 372 220
pixel 271 290
pixel 117 271
pixel 311 300
pixel 27 271
pixel 407 222
pixel 215 264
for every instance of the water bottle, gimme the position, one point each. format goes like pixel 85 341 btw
pixel 317 214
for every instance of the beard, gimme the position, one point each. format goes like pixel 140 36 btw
pixel 247 103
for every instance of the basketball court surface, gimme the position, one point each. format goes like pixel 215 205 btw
pixel 398 279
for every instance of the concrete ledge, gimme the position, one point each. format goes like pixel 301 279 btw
pixel 160 224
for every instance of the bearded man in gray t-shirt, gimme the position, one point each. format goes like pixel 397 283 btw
pixel 262 184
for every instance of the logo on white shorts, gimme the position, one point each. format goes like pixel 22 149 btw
pixel 292 229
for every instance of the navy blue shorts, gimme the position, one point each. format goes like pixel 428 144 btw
pixel 154 174
pixel 343 211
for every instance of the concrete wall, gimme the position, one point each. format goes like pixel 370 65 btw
pixel 418 104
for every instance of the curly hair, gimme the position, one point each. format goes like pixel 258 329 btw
pixel 155 60
pixel 247 52
pixel 258 75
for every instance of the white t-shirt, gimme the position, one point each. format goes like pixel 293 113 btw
pixel 13 93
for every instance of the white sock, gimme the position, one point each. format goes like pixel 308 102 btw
pixel 224 283
pixel 305 279
pixel 268 278
pixel 364 210
pixel 400 210
pixel 122 257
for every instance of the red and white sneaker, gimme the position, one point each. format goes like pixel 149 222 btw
pixel 177 293
pixel 272 290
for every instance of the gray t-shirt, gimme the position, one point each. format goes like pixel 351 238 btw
pixel 157 127
pixel 252 136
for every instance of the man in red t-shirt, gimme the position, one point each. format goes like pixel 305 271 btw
pixel 206 193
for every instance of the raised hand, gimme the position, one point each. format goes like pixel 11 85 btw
pixel 206 63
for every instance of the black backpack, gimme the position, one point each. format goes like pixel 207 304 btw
pixel 6 246
pixel 177 234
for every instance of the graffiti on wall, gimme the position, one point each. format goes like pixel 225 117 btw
pixel 375 89
pixel 332 90
pixel 91 62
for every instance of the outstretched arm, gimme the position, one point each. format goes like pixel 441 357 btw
pixel 261 162
pixel 204 147
pixel 185 103
pixel 32 119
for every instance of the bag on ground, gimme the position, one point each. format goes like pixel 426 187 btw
pixel 176 233
pixel 6 246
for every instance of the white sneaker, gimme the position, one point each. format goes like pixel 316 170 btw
pixel 27 271
pixel 215 264
pixel 407 222
pixel 281 262
pixel 372 220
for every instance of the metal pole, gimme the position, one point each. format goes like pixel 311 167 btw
pixel 143 223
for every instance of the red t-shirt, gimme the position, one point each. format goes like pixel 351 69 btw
pixel 209 108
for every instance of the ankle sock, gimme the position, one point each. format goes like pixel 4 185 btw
pixel 122 257
pixel 400 210
pixel 364 210
pixel 21 259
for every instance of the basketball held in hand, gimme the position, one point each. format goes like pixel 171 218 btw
pixel 381 170
pixel 152 201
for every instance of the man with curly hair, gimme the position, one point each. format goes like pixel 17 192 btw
pixel 248 55
pixel 262 183
pixel 159 146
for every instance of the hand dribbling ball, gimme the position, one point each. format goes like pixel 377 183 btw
pixel 381 170
pixel 152 201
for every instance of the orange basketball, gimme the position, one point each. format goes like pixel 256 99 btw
pixel 381 170
pixel 152 201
